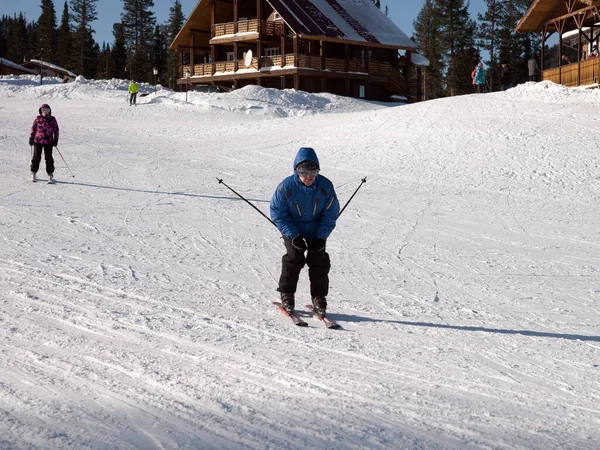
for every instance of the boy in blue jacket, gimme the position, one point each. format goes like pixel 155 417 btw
pixel 305 209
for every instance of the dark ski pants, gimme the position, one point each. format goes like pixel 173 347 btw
pixel 294 260
pixel 37 157
pixel 132 98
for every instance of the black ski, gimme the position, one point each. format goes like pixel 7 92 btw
pixel 323 318
pixel 297 320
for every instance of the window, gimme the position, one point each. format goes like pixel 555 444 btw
pixel 276 16
pixel 272 51
pixel 230 56
pixel 361 91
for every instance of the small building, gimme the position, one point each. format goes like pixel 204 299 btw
pixel 10 68
pixel 50 70
pixel 575 23
pixel 345 47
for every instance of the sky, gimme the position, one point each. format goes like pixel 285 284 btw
pixel 136 292
pixel 402 13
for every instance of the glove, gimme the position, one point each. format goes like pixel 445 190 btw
pixel 30 141
pixel 317 245
pixel 298 243
pixel 55 143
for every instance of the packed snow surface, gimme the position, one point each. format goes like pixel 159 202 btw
pixel 135 299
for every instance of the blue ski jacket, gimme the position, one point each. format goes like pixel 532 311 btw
pixel 308 211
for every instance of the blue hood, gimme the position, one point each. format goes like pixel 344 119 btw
pixel 306 154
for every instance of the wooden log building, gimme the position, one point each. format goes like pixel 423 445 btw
pixel 345 47
pixel 582 18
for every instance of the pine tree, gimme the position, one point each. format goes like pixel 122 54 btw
pixel 138 26
pixel 457 36
pixel 19 34
pixel 118 55
pixel 64 41
pixel 488 35
pixel 46 33
pixel 516 48
pixel 102 72
pixel 83 13
pixel 426 36
pixel 160 51
pixel 176 20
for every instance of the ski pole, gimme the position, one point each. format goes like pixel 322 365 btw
pixel 364 180
pixel 63 158
pixel 262 214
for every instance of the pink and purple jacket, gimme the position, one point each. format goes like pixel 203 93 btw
pixel 44 130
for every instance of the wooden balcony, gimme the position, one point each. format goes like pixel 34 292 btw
pixel 273 28
pixel 387 70
pixel 244 26
pixel 301 61
pixel 583 73
pixel 249 26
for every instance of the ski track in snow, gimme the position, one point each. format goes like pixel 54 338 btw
pixel 135 309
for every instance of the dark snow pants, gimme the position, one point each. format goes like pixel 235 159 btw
pixel 132 98
pixel 294 260
pixel 37 157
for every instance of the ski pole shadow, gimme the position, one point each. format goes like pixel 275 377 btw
pixel 148 191
pixel 531 333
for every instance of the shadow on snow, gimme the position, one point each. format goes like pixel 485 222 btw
pixel 146 191
pixel 572 337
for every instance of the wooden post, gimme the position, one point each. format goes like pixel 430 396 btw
pixel 282 44
pixel 347 58
pixel 259 16
pixel 367 60
pixel 295 47
pixel 579 22
pixel 560 43
pixel 409 70
pixel 192 53
pixel 213 57
pixel 180 63
pixel 542 59
pixel 235 19
pixel 322 54
pixel 235 56
pixel 213 17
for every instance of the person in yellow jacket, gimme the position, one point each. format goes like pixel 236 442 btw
pixel 133 90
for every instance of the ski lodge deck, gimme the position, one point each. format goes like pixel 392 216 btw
pixel 343 47
pixel 579 17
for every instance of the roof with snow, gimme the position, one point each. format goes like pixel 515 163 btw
pixel 542 11
pixel 347 20
pixel 51 66
pixel 354 20
pixel 419 60
pixel 16 66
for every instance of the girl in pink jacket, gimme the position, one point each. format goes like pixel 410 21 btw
pixel 43 136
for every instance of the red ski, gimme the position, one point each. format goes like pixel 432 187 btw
pixel 323 318
pixel 297 320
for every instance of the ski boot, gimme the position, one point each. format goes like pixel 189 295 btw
pixel 288 302
pixel 320 305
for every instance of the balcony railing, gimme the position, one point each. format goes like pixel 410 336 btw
pixel 244 26
pixel 581 73
pixel 301 61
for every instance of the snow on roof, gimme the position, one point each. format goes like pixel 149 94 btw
pixel 6 62
pixel 419 60
pixel 356 20
pixel 53 66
